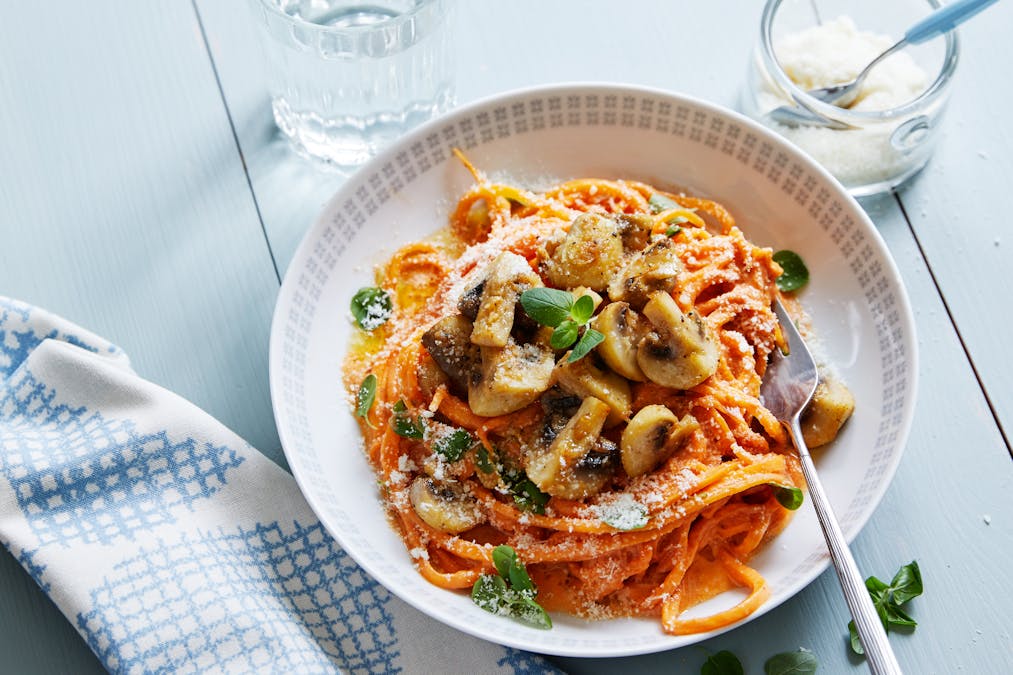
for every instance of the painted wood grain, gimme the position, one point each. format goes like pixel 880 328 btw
pixel 124 206
pixel 960 206
pixel 122 188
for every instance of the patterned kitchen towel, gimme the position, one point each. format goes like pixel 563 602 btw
pixel 170 543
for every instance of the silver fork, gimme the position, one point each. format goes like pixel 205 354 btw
pixel 787 388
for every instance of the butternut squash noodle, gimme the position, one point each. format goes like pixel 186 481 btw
pixel 604 531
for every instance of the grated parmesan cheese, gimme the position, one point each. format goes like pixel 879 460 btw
pixel 832 53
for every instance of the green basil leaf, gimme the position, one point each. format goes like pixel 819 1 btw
pixel 856 642
pixel 907 583
pixel 367 394
pixel 564 335
pixel 531 613
pixel 895 616
pixel 504 557
pixel 482 460
pixel 490 593
pixel 722 663
pixel 788 496
pixel 403 424
pixel 526 494
pixel 452 446
pixel 547 306
pixel 583 309
pixel 588 341
pixel 371 307
pixel 673 230
pixel 519 578
pixel 407 427
pixel 795 274
pixel 802 662
pixel 876 587
pixel 660 202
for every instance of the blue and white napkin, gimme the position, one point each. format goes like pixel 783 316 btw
pixel 170 543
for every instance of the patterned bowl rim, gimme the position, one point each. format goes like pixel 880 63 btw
pixel 863 504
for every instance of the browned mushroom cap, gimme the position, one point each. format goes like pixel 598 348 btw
pixel 471 300
pixel 447 506
pixel 651 437
pixel 584 378
pixel 656 268
pixel 576 465
pixel 830 408
pixel 679 352
pixel 589 256
pixel 510 378
pixel 509 276
pixel 448 341
pixel 635 230
pixel 622 330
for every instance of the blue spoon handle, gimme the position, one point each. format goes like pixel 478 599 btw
pixel 944 19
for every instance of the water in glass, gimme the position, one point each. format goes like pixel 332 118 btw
pixel 345 77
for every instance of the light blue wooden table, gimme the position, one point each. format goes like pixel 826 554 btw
pixel 145 194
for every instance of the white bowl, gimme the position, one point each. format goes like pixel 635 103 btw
pixel 779 198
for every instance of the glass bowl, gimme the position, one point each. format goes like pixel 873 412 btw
pixel 868 149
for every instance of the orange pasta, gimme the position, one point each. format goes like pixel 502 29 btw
pixel 601 534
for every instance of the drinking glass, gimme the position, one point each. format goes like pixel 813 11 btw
pixel 347 77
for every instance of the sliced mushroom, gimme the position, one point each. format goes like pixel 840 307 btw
pixel 651 437
pixel 510 378
pixel 584 378
pixel 830 408
pixel 509 276
pixel 679 352
pixel 448 341
pixel 471 300
pixel 623 329
pixel 589 256
pixel 558 406
pixel 656 268
pixel 431 377
pixel 635 230
pixel 447 506
pixel 565 469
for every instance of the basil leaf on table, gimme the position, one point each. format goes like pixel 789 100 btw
pixel 722 663
pixel 802 662
pixel 887 599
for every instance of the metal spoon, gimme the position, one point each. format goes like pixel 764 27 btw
pixel 788 386
pixel 842 95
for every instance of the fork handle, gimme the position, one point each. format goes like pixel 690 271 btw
pixel 878 652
